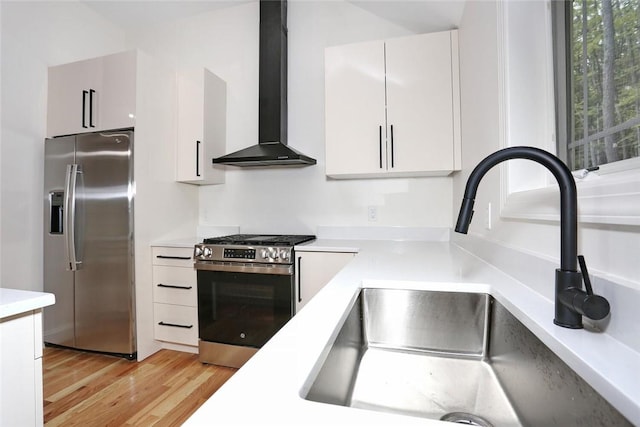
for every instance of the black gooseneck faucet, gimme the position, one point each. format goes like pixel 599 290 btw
pixel 571 302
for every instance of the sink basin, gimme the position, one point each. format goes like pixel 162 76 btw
pixel 452 356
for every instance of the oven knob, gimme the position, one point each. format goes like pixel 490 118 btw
pixel 207 252
pixel 284 254
pixel 197 252
pixel 271 253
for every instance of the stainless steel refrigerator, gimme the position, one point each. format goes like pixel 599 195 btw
pixel 88 242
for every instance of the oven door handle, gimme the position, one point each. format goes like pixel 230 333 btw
pixel 283 270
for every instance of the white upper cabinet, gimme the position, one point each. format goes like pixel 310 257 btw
pixel 355 109
pixel 202 117
pixel 92 95
pixel 392 108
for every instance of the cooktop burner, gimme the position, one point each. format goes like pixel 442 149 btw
pixel 259 239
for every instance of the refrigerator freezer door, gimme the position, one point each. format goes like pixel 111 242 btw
pixel 104 291
pixel 58 318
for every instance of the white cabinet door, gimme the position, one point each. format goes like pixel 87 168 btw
pixel 392 107
pixel 420 103
pixel 316 269
pixel 21 401
pixel 175 285
pixel 202 116
pixel 67 109
pixel 117 95
pixel 355 109
pixel 172 256
pixel 176 323
pixel 92 95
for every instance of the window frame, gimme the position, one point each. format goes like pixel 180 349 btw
pixel 610 195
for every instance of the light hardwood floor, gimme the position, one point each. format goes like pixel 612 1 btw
pixel 95 390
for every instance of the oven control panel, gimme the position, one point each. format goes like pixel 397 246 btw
pixel 239 253
pixel 228 253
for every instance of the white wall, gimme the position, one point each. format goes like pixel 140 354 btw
pixel 611 251
pixel 291 200
pixel 34 36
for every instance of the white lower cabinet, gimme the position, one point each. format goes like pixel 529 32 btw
pixel 314 270
pixel 176 323
pixel 21 397
pixel 175 296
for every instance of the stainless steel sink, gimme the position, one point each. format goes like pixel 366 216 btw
pixel 452 356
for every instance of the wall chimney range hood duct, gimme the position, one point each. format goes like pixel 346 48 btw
pixel 272 148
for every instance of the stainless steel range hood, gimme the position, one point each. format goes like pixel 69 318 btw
pixel 272 148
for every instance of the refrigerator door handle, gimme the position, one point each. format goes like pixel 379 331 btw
pixel 70 216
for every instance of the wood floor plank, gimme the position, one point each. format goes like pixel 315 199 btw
pixel 91 389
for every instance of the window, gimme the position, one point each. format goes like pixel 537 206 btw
pixel 534 95
pixel 598 77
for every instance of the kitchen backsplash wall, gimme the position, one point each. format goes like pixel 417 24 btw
pixel 291 200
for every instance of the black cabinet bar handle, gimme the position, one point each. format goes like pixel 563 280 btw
pixel 172 257
pixel 392 153
pixel 161 285
pixel 175 325
pixel 91 92
pixel 197 158
pixel 380 140
pixel 299 279
pixel 84 108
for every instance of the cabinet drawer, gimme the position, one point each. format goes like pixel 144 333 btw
pixel 174 285
pixel 177 257
pixel 176 323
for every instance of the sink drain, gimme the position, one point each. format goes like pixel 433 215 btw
pixel 466 419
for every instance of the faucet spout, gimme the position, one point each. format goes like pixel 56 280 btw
pixel 569 308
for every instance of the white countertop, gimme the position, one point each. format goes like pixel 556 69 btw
pixel 268 389
pixel 15 301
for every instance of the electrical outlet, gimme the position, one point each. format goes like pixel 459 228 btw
pixel 487 217
pixel 372 213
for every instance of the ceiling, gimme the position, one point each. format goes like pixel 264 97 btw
pixel 131 15
pixel 415 15
pixel 418 16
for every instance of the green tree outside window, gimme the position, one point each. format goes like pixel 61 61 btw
pixel 602 49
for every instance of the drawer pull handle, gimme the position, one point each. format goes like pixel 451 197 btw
pixel 175 325
pixel 161 285
pixel 173 257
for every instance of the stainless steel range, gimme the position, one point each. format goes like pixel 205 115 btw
pixel 245 293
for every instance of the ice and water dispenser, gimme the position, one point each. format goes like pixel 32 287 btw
pixel 56 212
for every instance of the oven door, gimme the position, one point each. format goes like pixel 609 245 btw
pixel 243 308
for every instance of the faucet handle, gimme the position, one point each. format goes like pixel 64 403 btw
pixel 593 306
pixel 585 275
